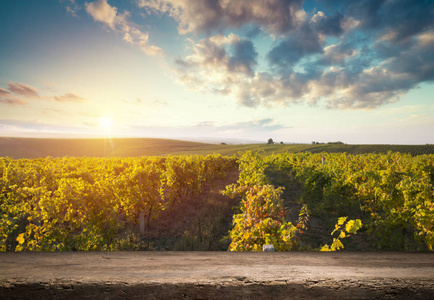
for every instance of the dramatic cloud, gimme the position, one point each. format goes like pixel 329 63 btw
pixel 268 89
pixel 298 45
pixel 244 57
pixel 328 25
pixel 208 16
pixel 69 97
pixel 400 19
pixel 364 55
pixel 103 12
pixel 337 54
pixel 218 62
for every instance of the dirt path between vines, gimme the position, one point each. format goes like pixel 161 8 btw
pixel 216 275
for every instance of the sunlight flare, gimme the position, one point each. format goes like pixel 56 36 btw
pixel 105 122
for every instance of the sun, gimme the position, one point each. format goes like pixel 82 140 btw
pixel 105 122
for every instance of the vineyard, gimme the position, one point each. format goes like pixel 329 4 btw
pixel 383 200
pixel 96 203
pixel 390 194
pixel 136 147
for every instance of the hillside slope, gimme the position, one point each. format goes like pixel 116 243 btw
pixel 36 147
pixel 133 147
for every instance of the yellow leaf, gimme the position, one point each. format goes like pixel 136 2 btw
pixel 353 225
pixel 342 220
pixel 20 238
pixel 325 248
pixel 337 245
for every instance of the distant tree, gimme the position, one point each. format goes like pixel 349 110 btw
pixel 281 143
pixel 313 143
pixel 270 141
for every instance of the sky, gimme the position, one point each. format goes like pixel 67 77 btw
pixel 360 72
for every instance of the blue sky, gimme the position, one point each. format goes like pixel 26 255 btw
pixel 360 72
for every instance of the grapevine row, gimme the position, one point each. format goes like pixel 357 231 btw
pixel 392 193
pixel 88 203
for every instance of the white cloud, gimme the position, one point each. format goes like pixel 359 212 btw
pixel 336 54
pixel 276 16
pixel 426 39
pixel 217 62
pixel 103 12
pixel 375 58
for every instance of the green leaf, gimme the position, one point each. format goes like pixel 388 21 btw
pixel 353 226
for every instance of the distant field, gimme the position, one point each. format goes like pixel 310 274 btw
pixel 132 147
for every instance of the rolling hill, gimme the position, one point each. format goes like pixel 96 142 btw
pixel 132 147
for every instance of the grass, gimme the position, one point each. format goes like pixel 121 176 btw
pixel 133 147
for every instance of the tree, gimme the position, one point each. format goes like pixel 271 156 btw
pixel 270 141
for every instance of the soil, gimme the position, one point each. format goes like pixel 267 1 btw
pixel 318 227
pixel 195 224
pixel 217 275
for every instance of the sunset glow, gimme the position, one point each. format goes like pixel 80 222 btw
pixel 359 72
pixel 105 122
